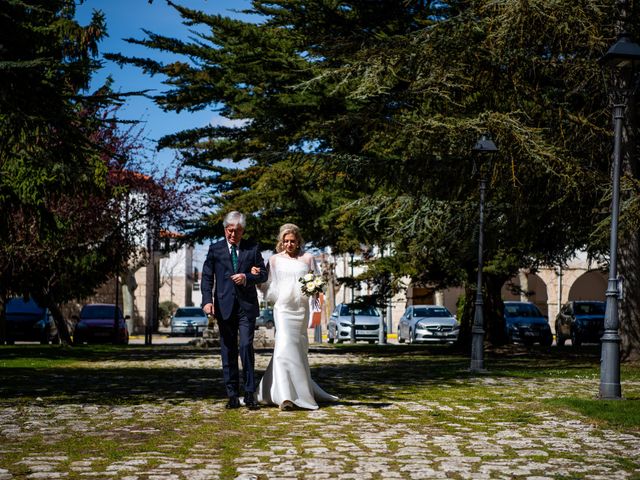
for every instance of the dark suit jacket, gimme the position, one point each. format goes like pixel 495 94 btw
pixel 217 287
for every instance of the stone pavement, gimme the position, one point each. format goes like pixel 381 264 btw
pixel 377 436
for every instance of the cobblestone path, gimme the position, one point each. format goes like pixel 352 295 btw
pixel 379 430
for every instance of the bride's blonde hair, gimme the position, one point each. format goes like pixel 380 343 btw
pixel 286 229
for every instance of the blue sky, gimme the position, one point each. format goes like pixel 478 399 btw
pixel 127 18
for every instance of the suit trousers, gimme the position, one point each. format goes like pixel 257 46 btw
pixel 237 327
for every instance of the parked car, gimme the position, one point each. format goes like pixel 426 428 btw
pixel 367 322
pixel 428 324
pixel 188 321
pixel 581 321
pixel 265 319
pixel 95 324
pixel 526 324
pixel 27 321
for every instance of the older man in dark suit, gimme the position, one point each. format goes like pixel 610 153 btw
pixel 229 293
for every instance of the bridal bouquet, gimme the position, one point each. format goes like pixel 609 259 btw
pixel 311 284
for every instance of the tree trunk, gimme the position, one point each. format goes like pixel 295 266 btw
pixel 494 310
pixel 46 301
pixel 61 324
pixel 466 305
pixel 629 309
pixel 3 320
pixel 629 249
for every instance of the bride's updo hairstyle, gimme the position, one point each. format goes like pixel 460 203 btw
pixel 286 229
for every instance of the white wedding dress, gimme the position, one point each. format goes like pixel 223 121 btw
pixel 288 377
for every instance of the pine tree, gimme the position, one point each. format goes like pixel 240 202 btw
pixel 356 119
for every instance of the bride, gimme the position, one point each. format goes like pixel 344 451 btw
pixel 287 381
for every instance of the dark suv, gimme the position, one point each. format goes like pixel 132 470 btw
pixel 526 324
pixel 580 321
pixel 27 321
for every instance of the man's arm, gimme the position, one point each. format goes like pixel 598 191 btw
pixel 208 282
pixel 258 261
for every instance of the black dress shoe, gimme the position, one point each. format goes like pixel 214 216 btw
pixel 234 402
pixel 250 402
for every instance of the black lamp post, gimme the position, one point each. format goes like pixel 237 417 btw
pixel 353 313
pixel 116 312
pixel 622 57
pixel 484 146
pixel 382 338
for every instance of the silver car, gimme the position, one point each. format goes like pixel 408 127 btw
pixel 265 319
pixel 188 321
pixel 367 321
pixel 428 324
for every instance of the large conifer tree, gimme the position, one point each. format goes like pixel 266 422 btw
pixel 357 120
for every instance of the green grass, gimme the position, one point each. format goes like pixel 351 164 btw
pixel 622 414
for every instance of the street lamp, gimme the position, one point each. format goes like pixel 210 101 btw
pixel 353 314
pixel 382 337
pixel 484 146
pixel 116 313
pixel 622 58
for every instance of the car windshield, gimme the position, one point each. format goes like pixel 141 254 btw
pixel 431 312
pixel 362 311
pixel 596 308
pixel 521 310
pixel 98 311
pixel 189 312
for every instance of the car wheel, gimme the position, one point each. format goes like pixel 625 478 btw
pixel 411 339
pixel 77 340
pixel 400 339
pixel 338 340
pixel 270 324
pixel 547 340
pixel 576 341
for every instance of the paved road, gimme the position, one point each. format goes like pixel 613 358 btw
pixel 433 423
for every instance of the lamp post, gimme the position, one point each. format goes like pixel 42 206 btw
pixel 353 314
pixel 116 316
pixel 483 146
pixel 382 337
pixel 622 57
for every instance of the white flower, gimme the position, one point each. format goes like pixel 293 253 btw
pixel 311 284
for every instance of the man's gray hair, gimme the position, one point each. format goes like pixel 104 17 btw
pixel 234 218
